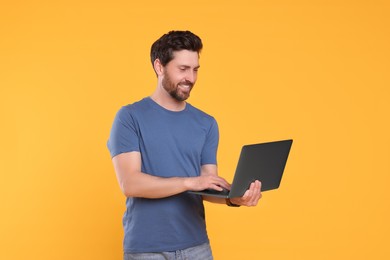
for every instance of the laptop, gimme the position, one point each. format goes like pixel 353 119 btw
pixel 264 162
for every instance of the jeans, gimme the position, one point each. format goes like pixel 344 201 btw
pixel 202 252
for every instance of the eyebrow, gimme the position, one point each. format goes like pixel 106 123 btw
pixel 188 67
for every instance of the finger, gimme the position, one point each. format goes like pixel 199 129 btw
pixel 223 183
pixel 246 196
pixel 254 193
pixel 259 189
pixel 217 187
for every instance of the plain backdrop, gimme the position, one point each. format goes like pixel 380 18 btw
pixel 313 71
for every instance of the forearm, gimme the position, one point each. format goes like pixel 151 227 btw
pixel 138 184
pixel 135 183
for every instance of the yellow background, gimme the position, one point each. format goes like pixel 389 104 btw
pixel 314 71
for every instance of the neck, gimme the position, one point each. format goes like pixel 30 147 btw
pixel 165 100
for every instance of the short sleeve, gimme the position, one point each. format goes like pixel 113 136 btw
pixel 123 136
pixel 209 152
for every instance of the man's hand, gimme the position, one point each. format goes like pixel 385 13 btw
pixel 207 181
pixel 251 197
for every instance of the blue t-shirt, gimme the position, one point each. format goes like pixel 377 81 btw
pixel 172 144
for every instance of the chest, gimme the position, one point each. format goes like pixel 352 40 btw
pixel 183 136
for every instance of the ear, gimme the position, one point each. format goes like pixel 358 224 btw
pixel 158 67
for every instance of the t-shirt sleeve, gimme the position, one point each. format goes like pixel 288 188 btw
pixel 123 136
pixel 209 152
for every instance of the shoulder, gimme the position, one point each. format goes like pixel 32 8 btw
pixel 203 119
pixel 199 113
pixel 130 109
pixel 141 104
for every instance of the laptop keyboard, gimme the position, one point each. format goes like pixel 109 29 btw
pixel 223 192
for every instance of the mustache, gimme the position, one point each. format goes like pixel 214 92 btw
pixel 187 82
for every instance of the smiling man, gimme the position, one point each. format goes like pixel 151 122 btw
pixel 162 147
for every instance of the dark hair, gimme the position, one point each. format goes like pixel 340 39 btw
pixel 164 47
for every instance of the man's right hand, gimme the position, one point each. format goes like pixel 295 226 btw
pixel 207 181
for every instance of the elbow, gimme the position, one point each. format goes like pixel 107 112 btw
pixel 127 193
pixel 129 186
pixel 127 190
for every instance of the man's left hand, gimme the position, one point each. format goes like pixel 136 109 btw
pixel 251 197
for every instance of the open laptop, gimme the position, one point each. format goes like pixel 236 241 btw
pixel 264 162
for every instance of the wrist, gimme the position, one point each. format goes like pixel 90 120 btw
pixel 187 183
pixel 230 203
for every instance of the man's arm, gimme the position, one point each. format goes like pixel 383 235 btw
pixel 135 183
pixel 250 198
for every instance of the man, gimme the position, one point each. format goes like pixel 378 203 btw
pixel 162 147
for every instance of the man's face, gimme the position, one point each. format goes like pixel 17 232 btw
pixel 180 74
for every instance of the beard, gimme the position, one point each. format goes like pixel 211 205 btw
pixel 175 89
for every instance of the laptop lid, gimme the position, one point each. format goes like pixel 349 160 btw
pixel 264 162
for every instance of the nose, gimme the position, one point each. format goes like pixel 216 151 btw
pixel 191 76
